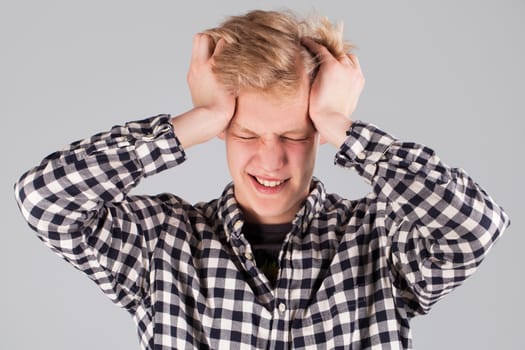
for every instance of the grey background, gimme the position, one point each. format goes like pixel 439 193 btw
pixel 447 74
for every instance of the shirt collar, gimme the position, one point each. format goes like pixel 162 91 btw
pixel 231 215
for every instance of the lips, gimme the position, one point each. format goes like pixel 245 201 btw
pixel 267 185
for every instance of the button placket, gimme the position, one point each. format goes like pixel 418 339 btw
pixel 248 255
pixel 282 308
pixel 237 225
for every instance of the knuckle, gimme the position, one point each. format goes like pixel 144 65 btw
pixel 196 38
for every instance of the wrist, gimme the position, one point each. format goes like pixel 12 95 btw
pixel 198 125
pixel 332 128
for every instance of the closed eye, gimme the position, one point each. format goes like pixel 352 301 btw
pixel 246 137
pixel 297 139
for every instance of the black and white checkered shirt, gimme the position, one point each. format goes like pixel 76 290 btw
pixel 352 273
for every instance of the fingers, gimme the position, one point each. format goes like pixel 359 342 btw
pixel 202 48
pixel 324 54
pixel 219 46
pixel 353 59
pixel 317 49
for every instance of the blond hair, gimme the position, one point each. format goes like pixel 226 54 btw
pixel 263 50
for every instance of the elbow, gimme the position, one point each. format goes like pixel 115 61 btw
pixel 495 222
pixel 490 226
pixel 479 220
pixel 22 196
pixel 29 202
pixel 36 203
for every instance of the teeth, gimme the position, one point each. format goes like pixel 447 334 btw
pixel 268 183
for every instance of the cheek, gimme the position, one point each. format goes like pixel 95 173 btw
pixel 302 157
pixel 238 155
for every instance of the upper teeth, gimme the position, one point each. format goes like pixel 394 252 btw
pixel 268 183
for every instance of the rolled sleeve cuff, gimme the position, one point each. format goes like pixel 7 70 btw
pixel 156 145
pixel 364 146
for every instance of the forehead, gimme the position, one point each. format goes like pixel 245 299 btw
pixel 263 112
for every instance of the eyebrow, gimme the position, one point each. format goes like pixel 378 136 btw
pixel 241 128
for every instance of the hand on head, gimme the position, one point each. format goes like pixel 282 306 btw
pixel 214 105
pixel 334 92
pixel 333 95
pixel 206 91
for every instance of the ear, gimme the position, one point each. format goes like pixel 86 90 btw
pixel 222 135
pixel 322 140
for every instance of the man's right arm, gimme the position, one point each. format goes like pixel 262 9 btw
pixel 76 199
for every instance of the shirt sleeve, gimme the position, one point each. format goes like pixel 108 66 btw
pixel 440 223
pixel 76 200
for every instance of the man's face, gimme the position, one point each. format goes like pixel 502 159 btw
pixel 271 146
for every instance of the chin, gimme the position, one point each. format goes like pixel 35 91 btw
pixel 270 213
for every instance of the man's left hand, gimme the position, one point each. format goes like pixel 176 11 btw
pixel 334 93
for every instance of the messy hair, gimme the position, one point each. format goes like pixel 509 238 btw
pixel 263 50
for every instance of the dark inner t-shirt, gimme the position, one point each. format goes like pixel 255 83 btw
pixel 266 241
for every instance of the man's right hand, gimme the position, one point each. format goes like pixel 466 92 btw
pixel 213 104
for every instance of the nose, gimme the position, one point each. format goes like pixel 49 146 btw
pixel 271 154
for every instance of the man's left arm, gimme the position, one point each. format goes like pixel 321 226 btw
pixel 440 223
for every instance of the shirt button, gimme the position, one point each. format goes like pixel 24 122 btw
pixel 237 226
pixel 282 308
pixel 361 156
pixel 248 255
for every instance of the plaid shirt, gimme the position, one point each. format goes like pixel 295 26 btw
pixel 352 273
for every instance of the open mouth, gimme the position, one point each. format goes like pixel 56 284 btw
pixel 268 185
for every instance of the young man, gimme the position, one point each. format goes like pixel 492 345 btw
pixel 275 262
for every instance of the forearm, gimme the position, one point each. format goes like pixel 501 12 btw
pixel 198 125
pixel 439 223
pixel 436 203
pixel 59 193
pixel 334 132
pixel 76 199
